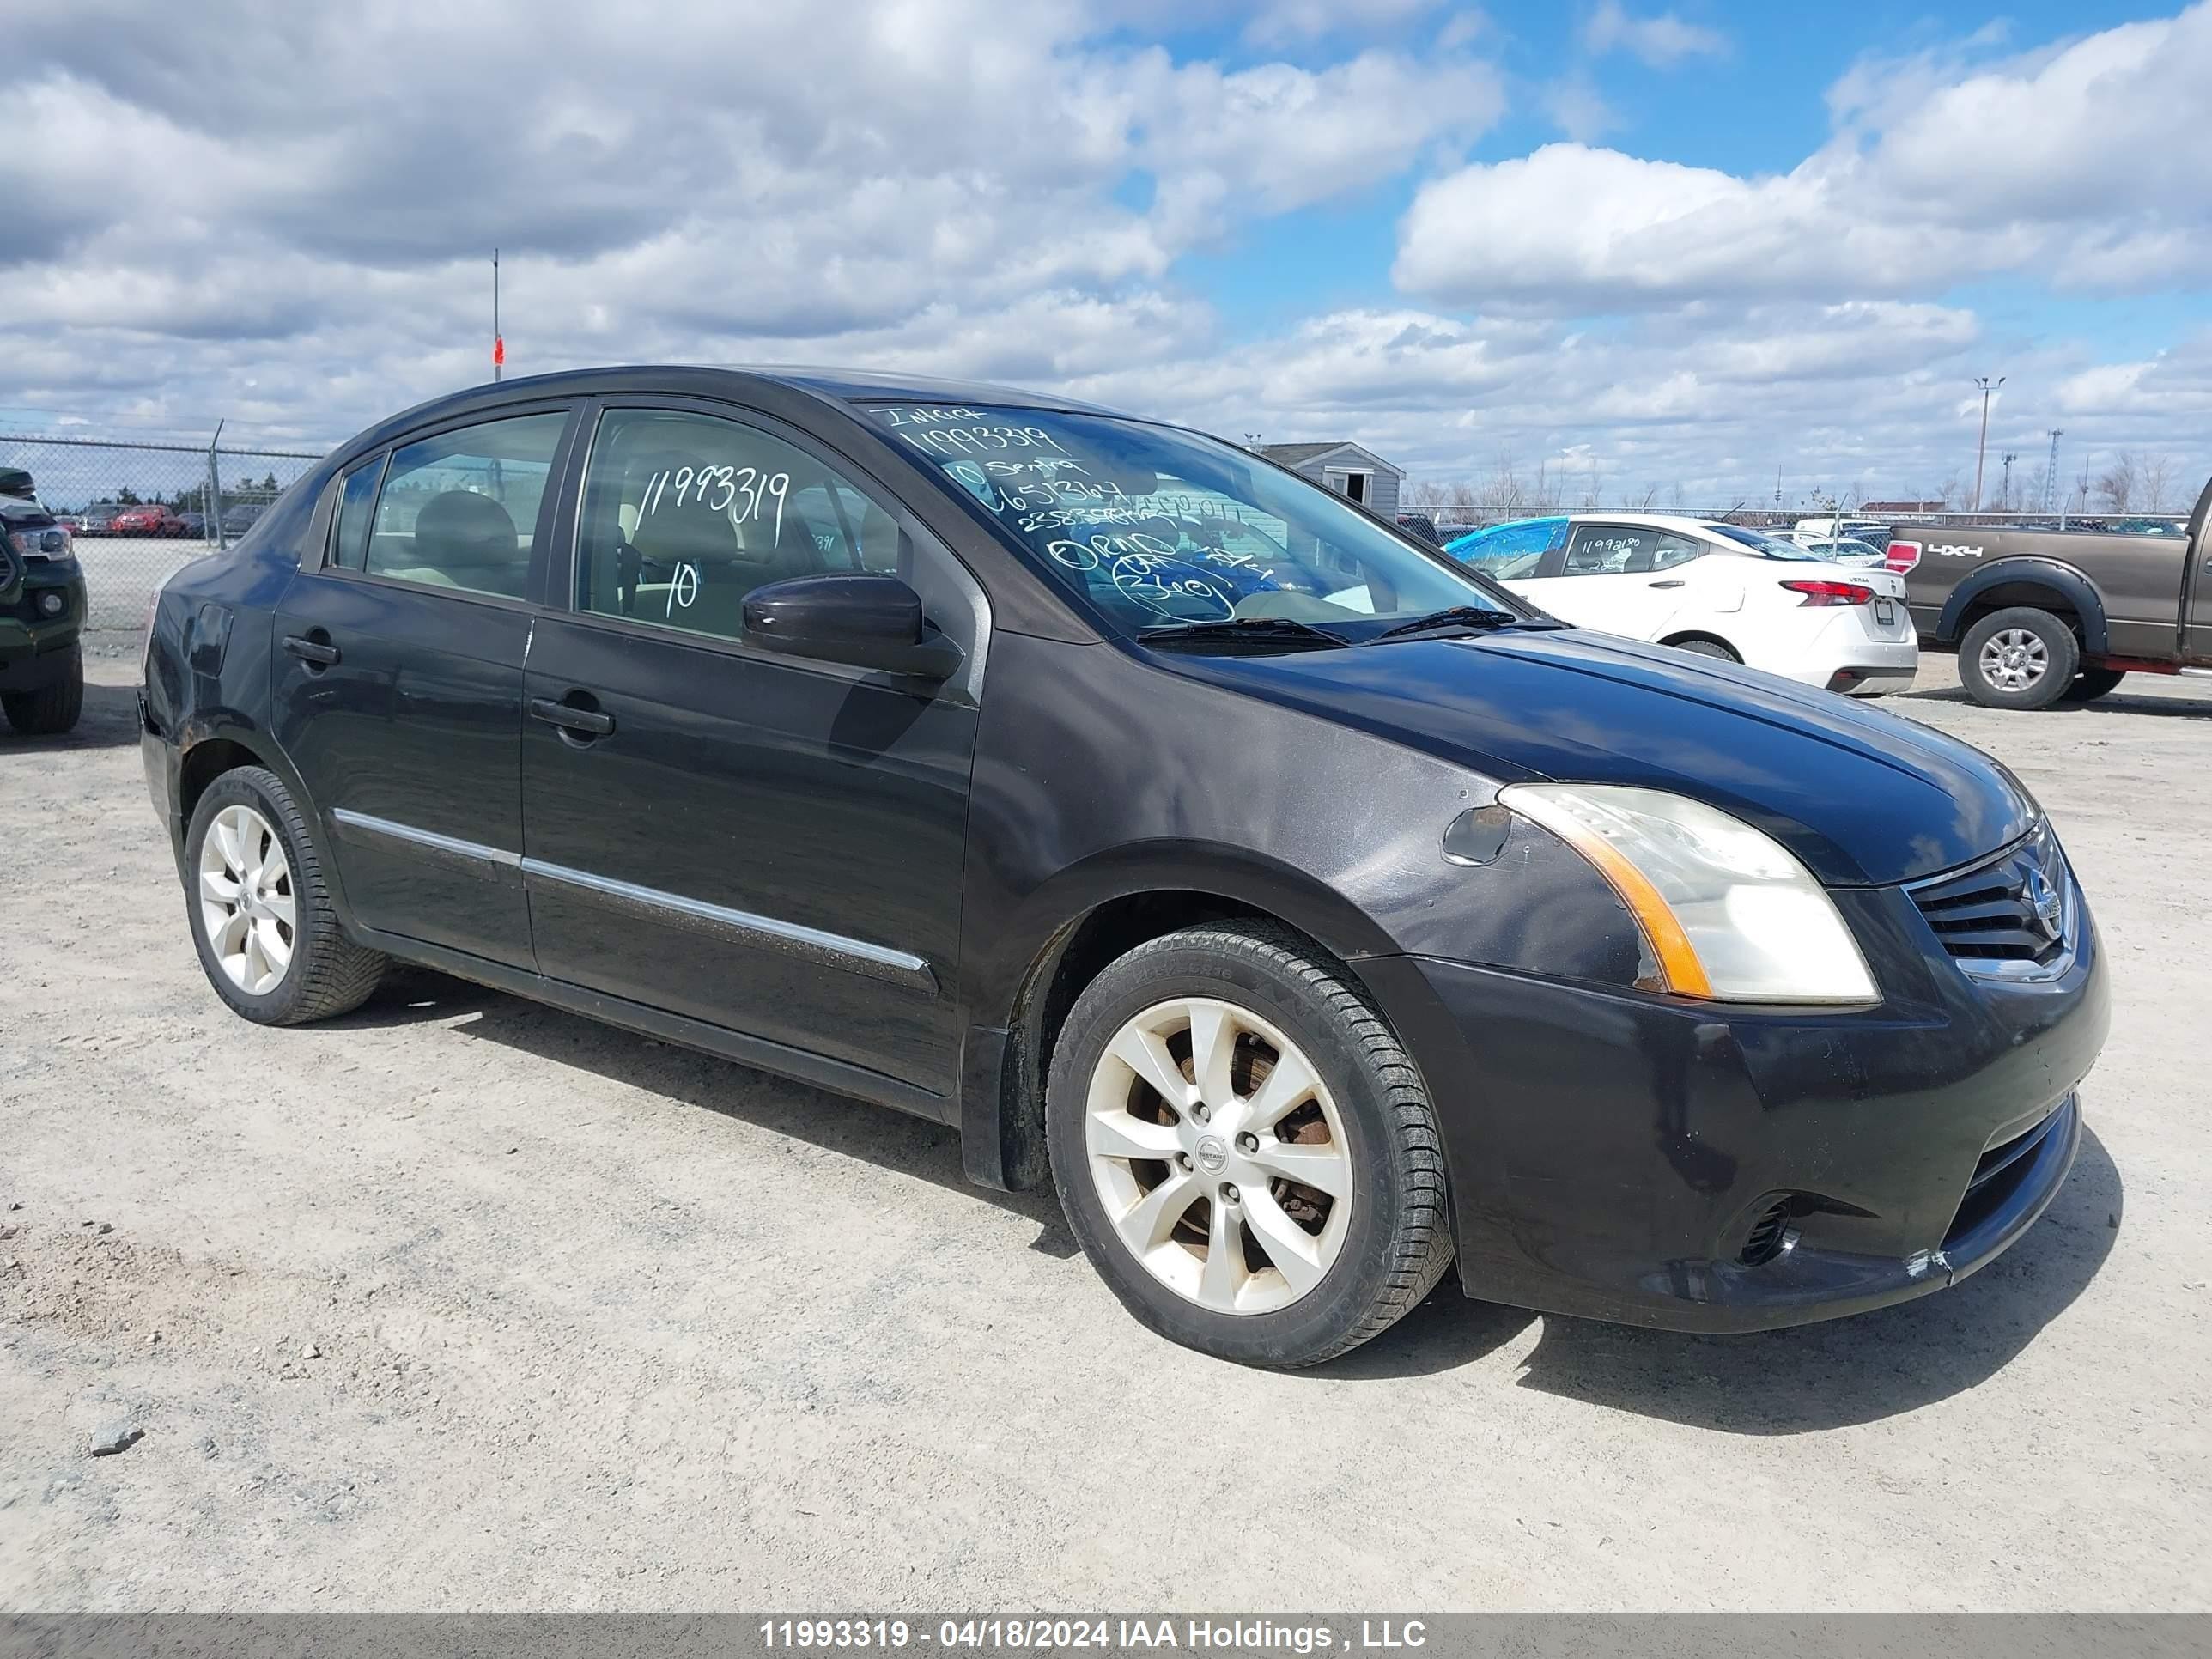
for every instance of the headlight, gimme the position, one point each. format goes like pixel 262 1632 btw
pixel 1726 910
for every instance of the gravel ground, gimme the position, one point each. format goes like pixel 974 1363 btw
pixel 462 1303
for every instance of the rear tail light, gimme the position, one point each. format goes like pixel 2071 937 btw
pixel 1832 592
pixel 1901 556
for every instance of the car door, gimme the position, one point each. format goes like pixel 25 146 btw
pixel 1606 579
pixel 770 845
pixel 398 685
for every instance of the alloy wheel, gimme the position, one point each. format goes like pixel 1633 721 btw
pixel 1219 1156
pixel 2013 660
pixel 247 904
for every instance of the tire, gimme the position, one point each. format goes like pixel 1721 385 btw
pixel 2020 658
pixel 322 973
pixel 2092 683
pixel 1707 648
pixel 1365 1119
pixel 51 709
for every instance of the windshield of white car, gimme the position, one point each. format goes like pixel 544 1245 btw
pixel 1154 529
pixel 1772 547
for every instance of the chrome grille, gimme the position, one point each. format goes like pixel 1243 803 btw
pixel 2014 908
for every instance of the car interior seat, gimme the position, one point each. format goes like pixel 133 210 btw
pixel 463 539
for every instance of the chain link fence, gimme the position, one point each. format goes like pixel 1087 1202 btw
pixel 1476 515
pixel 139 510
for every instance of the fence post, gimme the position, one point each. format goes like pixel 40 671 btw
pixel 215 490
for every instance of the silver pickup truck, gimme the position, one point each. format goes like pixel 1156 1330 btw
pixel 2045 616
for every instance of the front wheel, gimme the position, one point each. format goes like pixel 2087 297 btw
pixel 54 707
pixel 1243 1150
pixel 2021 658
pixel 261 916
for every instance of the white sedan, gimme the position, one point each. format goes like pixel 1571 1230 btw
pixel 1719 589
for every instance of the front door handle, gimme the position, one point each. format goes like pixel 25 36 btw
pixel 308 649
pixel 586 722
pixel 1672 584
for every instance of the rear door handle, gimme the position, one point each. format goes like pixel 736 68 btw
pixel 590 722
pixel 1672 584
pixel 321 652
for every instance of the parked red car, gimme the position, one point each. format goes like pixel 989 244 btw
pixel 154 520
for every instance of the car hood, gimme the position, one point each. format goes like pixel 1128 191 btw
pixel 1861 797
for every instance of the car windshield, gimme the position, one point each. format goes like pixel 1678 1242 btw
pixel 1766 545
pixel 1160 530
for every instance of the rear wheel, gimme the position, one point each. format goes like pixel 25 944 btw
pixel 1705 648
pixel 2092 683
pixel 2021 658
pixel 261 916
pixel 53 709
pixel 1243 1150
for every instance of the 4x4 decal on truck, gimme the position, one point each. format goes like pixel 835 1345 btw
pixel 1955 550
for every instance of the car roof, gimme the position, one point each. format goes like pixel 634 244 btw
pixel 1677 521
pixel 871 385
pixel 836 386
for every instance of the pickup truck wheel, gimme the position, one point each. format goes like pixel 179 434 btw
pixel 2092 683
pixel 51 709
pixel 2020 658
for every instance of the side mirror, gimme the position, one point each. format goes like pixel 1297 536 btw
pixel 867 621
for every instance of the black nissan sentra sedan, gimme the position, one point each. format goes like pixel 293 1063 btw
pixel 1310 909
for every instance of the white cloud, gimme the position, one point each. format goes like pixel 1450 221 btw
pixel 972 188
pixel 2070 164
pixel 1279 22
pixel 1577 109
pixel 1662 41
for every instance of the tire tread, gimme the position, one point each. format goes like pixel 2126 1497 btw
pixel 51 709
pixel 339 974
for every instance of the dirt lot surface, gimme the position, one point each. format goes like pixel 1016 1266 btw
pixel 460 1302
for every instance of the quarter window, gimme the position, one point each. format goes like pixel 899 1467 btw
pixel 356 507
pixel 459 510
pixel 684 515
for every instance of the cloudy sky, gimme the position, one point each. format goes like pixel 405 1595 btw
pixel 1643 247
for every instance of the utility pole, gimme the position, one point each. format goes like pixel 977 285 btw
pixel 1981 450
pixel 2051 472
pixel 2005 497
pixel 498 341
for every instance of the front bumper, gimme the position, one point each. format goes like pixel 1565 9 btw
pixel 1611 1153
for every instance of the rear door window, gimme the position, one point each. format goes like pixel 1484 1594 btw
pixel 1608 549
pixel 459 510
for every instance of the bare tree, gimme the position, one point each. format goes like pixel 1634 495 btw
pixel 2118 483
pixel 2156 472
pixel 1644 502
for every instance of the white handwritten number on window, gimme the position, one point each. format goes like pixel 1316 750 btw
pixel 743 492
pixel 684 589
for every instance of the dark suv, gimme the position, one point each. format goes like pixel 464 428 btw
pixel 42 611
pixel 1304 905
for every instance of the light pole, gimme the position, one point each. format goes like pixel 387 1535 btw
pixel 1981 451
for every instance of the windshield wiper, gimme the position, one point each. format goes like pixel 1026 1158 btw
pixel 1457 615
pixel 1285 629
